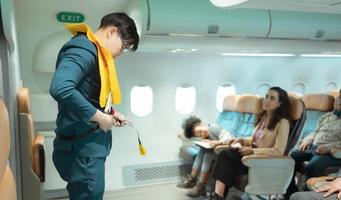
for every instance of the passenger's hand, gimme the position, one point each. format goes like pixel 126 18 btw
pixel 304 146
pixel 332 187
pixel 321 150
pixel 104 121
pixel 237 140
pixel 246 151
pixel 119 119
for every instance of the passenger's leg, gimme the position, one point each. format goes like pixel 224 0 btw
pixel 227 167
pixel 311 196
pixel 85 176
pixel 319 163
pixel 299 158
pixel 200 188
pixel 191 180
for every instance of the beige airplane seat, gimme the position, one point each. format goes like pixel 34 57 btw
pixel 246 103
pixel 334 93
pixel 272 175
pixel 317 105
pixel 7 182
pixel 32 151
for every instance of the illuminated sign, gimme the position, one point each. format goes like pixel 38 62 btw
pixel 70 17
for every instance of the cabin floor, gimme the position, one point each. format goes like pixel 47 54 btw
pixel 167 191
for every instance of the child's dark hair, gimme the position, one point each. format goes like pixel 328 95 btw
pixel 189 124
pixel 126 27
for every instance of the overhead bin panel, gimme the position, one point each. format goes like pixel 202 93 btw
pixel 304 25
pixel 201 17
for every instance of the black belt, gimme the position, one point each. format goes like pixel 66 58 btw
pixel 80 136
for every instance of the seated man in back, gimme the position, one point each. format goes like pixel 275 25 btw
pixel 329 191
pixel 316 147
pixel 212 134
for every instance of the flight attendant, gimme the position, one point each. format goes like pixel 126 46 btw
pixel 84 81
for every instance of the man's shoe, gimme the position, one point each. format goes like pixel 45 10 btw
pixel 189 182
pixel 197 191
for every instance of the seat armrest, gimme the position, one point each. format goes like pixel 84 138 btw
pixel 336 153
pixel 268 175
pixel 265 160
pixel 38 162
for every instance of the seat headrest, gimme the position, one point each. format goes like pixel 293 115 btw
pixel 24 100
pixel 334 93
pixel 248 103
pixel 4 137
pixel 230 102
pixel 294 94
pixel 296 108
pixel 320 102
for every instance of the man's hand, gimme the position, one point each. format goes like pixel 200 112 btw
pixel 119 119
pixel 246 151
pixel 304 146
pixel 104 121
pixel 332 187
pixel 322 150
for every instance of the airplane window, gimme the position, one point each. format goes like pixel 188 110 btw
pixel 330 86
pixel 141 100
pixel 223 91
pixel 299 88
pixel 185 97
pixel 263 88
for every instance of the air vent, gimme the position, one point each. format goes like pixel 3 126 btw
pixel 154 173
pixel 213 29
pixel 319 34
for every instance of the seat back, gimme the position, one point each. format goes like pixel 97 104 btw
pixel 238 114
pixel 297 117
pixel 316 105
pixel 7 183
pixel 31 149
pixel 334 93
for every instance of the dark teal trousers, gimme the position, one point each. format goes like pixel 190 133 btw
pixel 84 175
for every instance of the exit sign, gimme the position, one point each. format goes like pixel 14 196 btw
pixel 70 17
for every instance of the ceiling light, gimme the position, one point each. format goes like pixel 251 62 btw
pixel 321 55
pixel 260 54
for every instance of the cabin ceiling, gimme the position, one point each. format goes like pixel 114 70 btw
pixel 321 6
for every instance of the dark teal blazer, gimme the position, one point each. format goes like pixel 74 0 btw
pixel 76 87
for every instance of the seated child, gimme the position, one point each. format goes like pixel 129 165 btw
pixel 212 134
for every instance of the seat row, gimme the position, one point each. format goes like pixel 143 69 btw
pixel 238 117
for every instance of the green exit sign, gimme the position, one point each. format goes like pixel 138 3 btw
pixel 70 17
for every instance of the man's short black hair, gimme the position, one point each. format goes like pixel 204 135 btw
pixel 126 27
pixel 189 124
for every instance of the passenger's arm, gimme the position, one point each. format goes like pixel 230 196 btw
pixel 71 70
pixel 307 141
pixel 224 137
pixel 326 148
pixel 280 141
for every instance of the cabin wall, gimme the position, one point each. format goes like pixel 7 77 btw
pixel 163 72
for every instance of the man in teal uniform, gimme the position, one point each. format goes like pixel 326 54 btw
pixel 83 133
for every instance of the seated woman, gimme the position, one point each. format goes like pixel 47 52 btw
pixel 212 134
pixel 269 138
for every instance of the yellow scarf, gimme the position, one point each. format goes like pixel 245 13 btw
pixel 107 70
